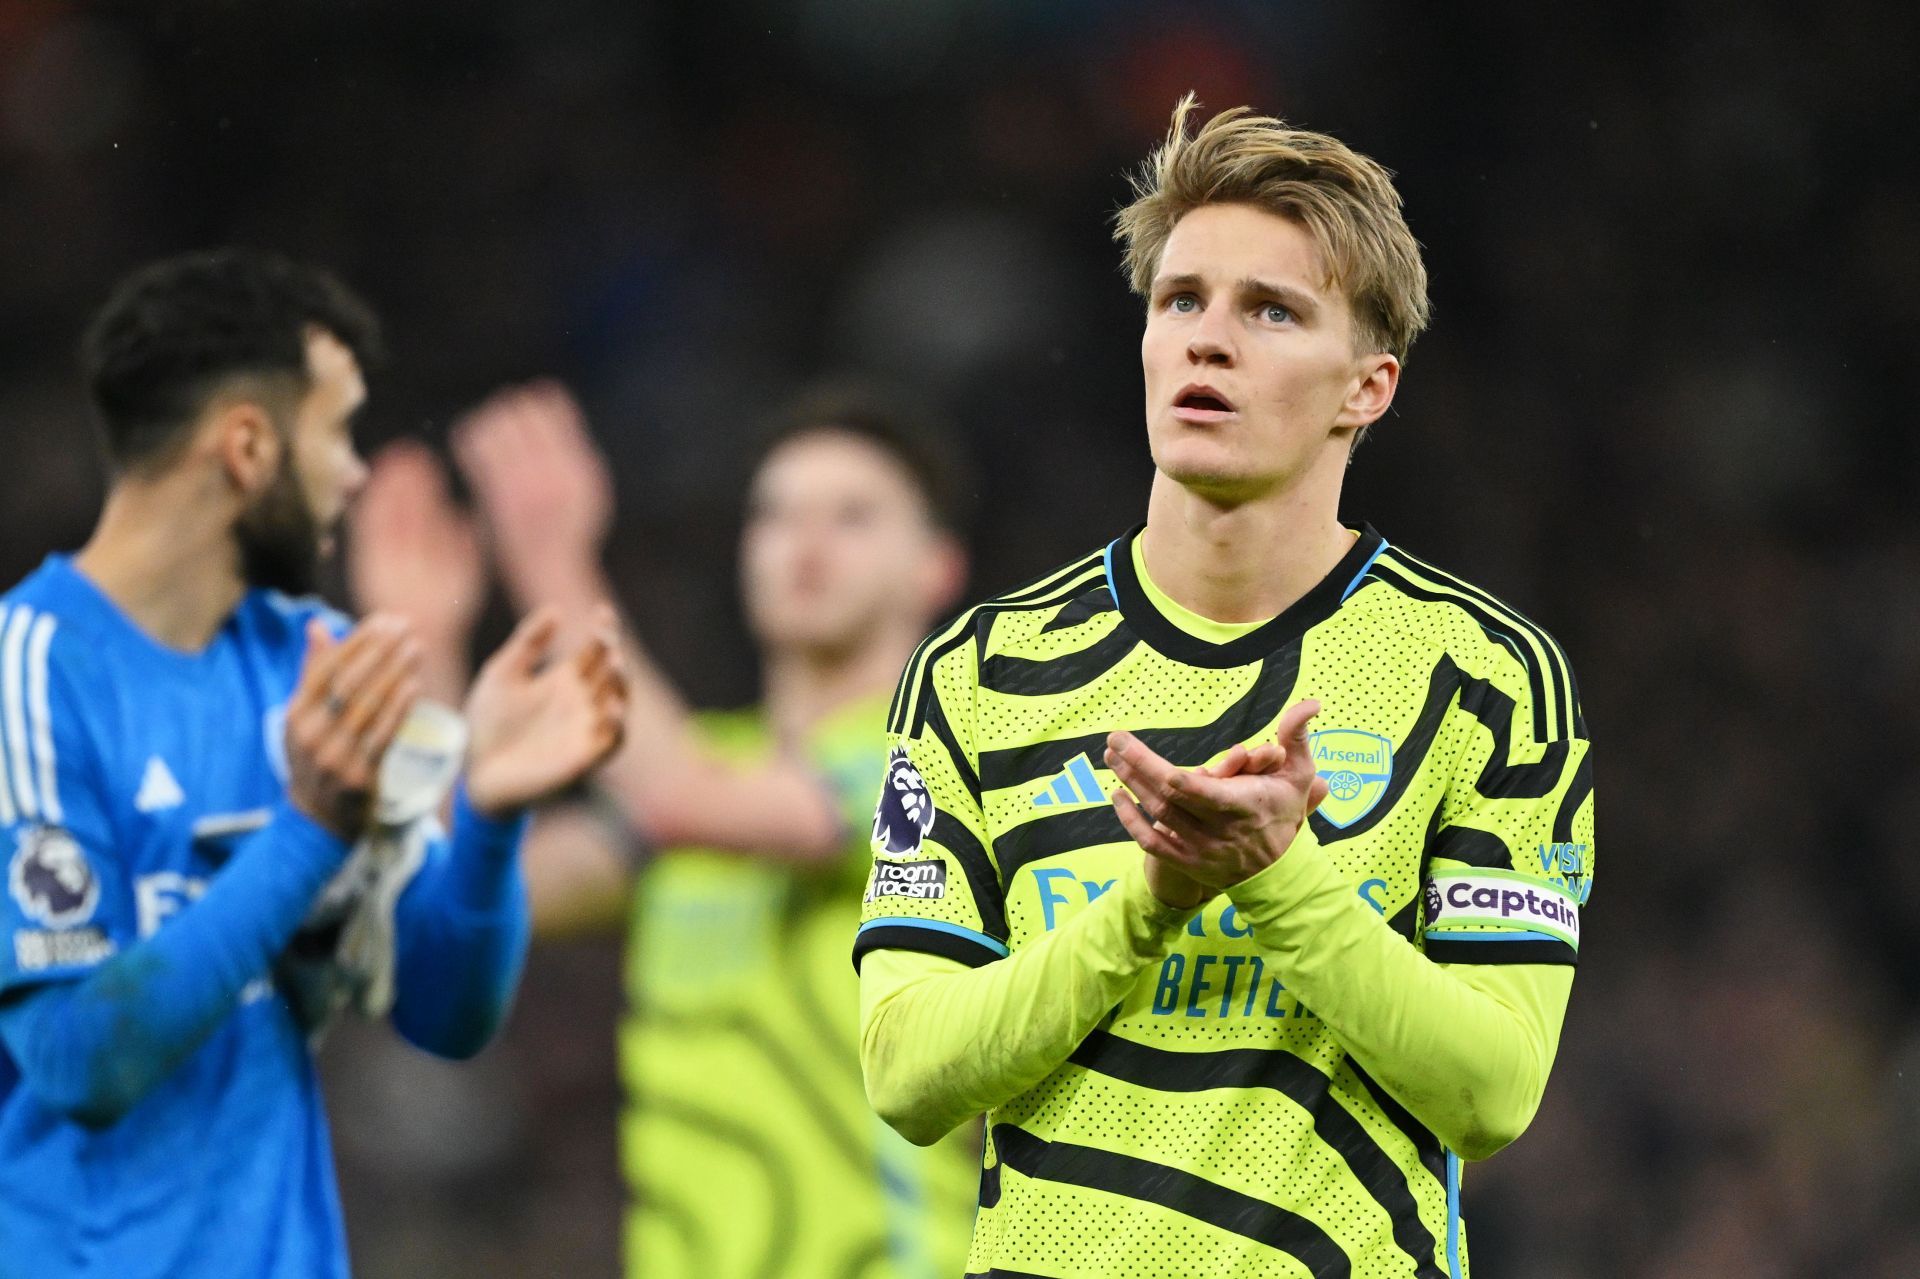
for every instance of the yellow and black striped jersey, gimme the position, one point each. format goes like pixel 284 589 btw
pixel 747 1140
pixel 1213 1124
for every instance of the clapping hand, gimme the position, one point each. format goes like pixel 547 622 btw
pixel 538 720
pixel 353 694
pixel 1206 829
pixel 544 489
pixel 413 552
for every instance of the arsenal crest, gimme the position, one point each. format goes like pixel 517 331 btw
pixel 1357 766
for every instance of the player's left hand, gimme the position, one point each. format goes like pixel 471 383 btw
pixel 1220 825
pixel 538 722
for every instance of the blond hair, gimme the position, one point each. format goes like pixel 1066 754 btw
pixel 1345 200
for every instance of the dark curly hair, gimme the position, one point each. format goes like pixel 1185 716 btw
pixel 177 331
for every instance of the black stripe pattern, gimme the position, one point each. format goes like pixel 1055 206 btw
pixel 1499 778
pixel 1572 721
pixel 935 721
pixel 1054 833
pixel 1094 601
pixel 1556 699
pixel 1045 677
pixel 1577 792
pixel 916 710
pixel 916 681
pixel 1253 710
pixel 1470 846
pixel 1183 1192
pixel 1537 684
pixel 952 834
pixel 1282 1072
pixel 1433 1156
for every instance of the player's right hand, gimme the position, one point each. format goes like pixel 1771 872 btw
pixel 1173 886
pixel 544 489
pixel 352 696
pixel 1219 831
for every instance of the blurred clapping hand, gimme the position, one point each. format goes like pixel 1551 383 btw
pixel 412 552
pixel 546 492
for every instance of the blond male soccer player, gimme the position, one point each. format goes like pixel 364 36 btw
pixel 1234 870
pixel 748 1142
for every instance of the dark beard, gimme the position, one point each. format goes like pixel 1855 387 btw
pixel 280 539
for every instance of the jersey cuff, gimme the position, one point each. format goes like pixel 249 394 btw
pixel 294 829
pixel 1300 873
pixel 931 936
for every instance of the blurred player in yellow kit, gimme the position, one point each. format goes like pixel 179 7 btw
pixel 748 1143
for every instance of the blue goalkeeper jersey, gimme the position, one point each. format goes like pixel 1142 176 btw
pixel 129 775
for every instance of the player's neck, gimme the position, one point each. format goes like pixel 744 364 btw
pixel 1246 562
pixel 802 687
pixel 167 562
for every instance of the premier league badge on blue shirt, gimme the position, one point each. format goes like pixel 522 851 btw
pixel 50 879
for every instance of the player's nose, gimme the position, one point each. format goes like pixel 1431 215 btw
pixel 1210 341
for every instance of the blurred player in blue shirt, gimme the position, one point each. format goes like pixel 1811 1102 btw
pixel 189 752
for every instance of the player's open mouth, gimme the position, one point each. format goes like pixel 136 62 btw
pixel 1197 403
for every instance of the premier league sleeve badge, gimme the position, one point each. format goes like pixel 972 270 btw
pixel 905 813
pixel 50 878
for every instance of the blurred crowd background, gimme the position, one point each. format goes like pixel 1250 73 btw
pixel 1665 408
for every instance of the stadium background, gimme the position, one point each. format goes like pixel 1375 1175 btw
pixel 1665 408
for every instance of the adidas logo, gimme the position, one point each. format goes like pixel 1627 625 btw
pixel 1074 784
pixel 158 789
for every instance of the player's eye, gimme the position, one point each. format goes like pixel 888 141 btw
pixel 1183 303
pixel 1274 313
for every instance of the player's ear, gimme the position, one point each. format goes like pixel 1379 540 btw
pixel 248 444
pixel 1376 377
